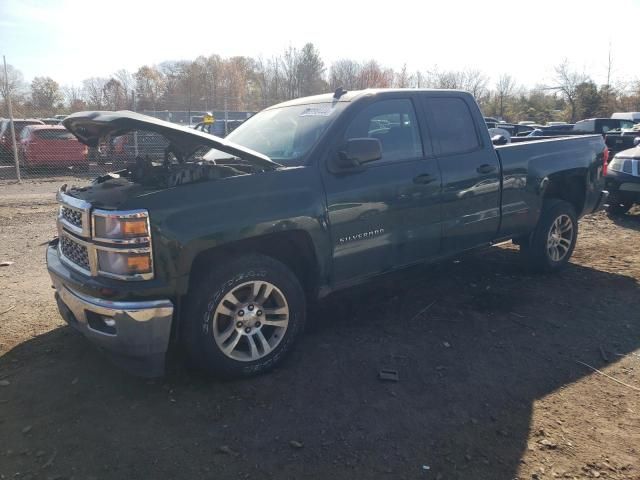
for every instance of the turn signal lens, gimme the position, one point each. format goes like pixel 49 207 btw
pixel 124 263
pixel 139 263
pixel 135 227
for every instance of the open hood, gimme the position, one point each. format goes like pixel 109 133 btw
pixel 91 127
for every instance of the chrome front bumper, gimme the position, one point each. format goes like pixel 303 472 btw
pixel 135 333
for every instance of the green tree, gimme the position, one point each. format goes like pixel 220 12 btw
pixel 45 95
pixel 588 100
pixel 310 71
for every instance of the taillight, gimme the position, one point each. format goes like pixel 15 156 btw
pixel 605 161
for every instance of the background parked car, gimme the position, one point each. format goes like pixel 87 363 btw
pixel 50 146
pixel 6 144
pixel 513 129
pixel 632 116
pixel 591 126
pixel 623 140
pixel 51 121
pixel 552 130
pixel 150 145
pixel 601 125
pixel 623 180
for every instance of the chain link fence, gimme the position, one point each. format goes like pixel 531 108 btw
pixel 47 150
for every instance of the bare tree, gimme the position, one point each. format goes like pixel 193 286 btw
pixel 475 82
pixel 290 66
pixel 114 95
pixel 504 89
pixel 567 81
pixel 74 98
pixel 267 75
pixel 13 85
pixel 403 78
pixel 372 75
pixel 344 73
pixel 94 91
pixel 420 79
pixel 236 80
pixel 128 83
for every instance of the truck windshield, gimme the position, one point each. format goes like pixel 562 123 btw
pixel 283 134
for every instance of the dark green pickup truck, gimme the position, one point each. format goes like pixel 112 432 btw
pixel 221 246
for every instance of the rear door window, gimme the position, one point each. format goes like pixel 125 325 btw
pixel 452 125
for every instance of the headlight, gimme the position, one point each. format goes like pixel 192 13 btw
pixel 123 244
pixel 124 263
pixel 616 164
pixel 112 226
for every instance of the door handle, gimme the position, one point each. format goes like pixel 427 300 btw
pixel 485 168
pixel 423 179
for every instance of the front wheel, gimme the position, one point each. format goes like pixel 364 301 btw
pixel 551 244
pixel 243 317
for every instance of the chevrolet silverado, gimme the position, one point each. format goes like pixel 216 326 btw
pixel 221 245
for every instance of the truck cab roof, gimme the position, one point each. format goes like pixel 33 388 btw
pixel 352 95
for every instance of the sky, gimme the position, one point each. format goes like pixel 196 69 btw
pixel 72 40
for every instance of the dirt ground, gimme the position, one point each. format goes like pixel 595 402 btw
pixel 490 385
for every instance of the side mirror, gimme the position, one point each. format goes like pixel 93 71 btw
pixel 499 140
pixel 356 152
pixel 636 141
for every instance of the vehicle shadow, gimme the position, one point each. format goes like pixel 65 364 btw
pixel 475 342
pixel 629 220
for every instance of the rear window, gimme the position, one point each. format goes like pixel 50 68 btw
pixel 452 124
pixel 19 126
pixel 53 134
pixel 585 126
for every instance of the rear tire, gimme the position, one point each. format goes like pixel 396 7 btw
pixel 243 317
pixel 551 244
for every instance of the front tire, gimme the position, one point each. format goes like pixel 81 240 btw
pixel 551 244
pixel 243 316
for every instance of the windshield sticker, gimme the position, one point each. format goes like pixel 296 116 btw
pixel 316 111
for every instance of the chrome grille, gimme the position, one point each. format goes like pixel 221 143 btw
pixel 75 252
pixel 78 247
pixel 74 217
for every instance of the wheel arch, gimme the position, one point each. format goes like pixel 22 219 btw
pixel 294 248
pixel 567 186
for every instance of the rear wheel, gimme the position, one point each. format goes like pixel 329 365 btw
pixel 551 244
pixel 243 317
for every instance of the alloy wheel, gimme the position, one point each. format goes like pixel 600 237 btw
pixel 250 321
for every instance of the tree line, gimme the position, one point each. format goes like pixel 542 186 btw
pixel 249 84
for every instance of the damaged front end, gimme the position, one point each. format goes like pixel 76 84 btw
pixel 183 157
pixel 108 281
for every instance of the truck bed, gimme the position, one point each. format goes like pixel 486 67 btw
pixel 526 166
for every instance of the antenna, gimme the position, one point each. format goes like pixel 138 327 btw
pixel 339 92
